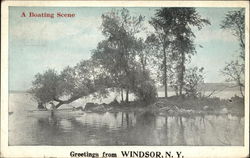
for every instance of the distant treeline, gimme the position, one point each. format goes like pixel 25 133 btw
pixel 210 87
pixel 207 86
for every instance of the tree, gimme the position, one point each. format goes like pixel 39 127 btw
pixel 184 39
pixel 235 70
pixel 71 84
pixel 194 78
pixel 235 22
pixel 155 48
pixel 173 29
pixel 117 52
pixel 45 86
pixel 162 37
pixel 143 86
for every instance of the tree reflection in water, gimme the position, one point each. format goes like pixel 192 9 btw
pixel 180 137
pixel 138 128
pixel 48 130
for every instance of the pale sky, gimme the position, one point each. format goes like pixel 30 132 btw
pixel 36 44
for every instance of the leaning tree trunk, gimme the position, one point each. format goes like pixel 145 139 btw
pixel 61 102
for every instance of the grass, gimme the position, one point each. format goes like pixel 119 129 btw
pixel 185 106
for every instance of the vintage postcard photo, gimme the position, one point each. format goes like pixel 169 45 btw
pixel 113 79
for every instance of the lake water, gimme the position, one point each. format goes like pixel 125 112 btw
pixel 120 128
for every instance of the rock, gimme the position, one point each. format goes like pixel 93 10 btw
pixel 90 106
pixel 95 107
pixel 107 107
pixel 10 113
pixel 189 111
pixel 165 108
pixel 114 103
pixel 171 111
pixel 79 108
pixel 99 108
pixel 205 107
pixel 224 111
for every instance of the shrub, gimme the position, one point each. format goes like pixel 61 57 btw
pixel 146 91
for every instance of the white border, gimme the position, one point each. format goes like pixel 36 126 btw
pixel 63 151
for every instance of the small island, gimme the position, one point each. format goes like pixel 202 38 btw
pixel 125 64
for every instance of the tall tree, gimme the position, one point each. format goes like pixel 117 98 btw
pixel 119 29
pixel 173 29
pixel 162 36
pixel 235 70
pixel 235 22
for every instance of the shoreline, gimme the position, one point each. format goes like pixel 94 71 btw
pixel 174 107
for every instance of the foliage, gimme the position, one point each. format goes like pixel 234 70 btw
pixel 142 85
pixel 45 86
pixel 121 60
pixel 71 84
pixel 173 30
pixel 194 78
pixel 117 53
pixel 234 71
pixel 235 22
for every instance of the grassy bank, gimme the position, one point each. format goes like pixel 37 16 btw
pixel 177 106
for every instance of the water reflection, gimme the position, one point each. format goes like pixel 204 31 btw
pixel 129 128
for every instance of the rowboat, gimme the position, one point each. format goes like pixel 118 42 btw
pixel 62 113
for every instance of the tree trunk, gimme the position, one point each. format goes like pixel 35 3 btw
pixel 127 119
pixel 61 102
pixel 241 91
pixel 181 80
pixel 165 71
pixel 122 119
pixel 122 94
pixel 176 91
pixel 127 96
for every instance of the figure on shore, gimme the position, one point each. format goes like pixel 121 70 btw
pixel 41 107
pixel 52 108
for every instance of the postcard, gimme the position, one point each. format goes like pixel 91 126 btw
pixel 114 79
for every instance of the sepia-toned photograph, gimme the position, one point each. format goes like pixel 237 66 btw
pixel 127 76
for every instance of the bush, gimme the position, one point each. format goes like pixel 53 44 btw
pixel 146 91
pixel 143 86
pixel 193 78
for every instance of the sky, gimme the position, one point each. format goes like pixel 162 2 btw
pixel 36 44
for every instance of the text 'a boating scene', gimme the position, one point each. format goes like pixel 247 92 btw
pixel 170 76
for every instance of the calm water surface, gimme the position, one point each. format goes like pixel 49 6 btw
pixel 120 128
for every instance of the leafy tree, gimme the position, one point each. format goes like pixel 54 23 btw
pixel 235 22
pixel 173 29
pixel 184 42
pixel 117 52
pixel 194 78
pixel 161 37
pixel 142 85
pixel 71 84
pixel 45 86
pixel 235 70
